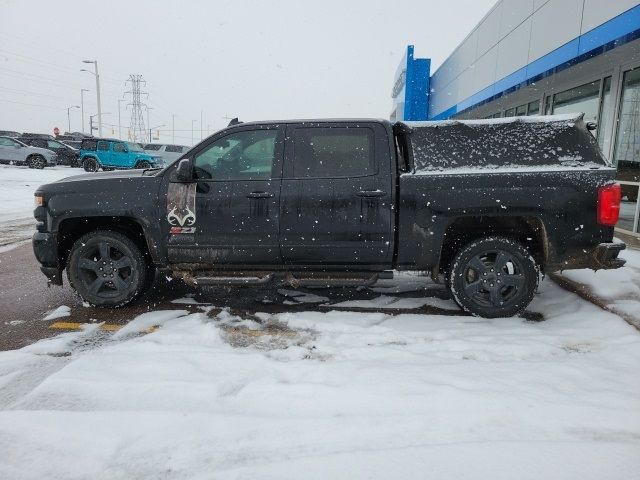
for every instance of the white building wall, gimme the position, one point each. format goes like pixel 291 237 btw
pixel 512 35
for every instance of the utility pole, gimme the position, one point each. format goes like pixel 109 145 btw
pixel 192 122
pixel 119 122
pixel 137 129
pixel 173 128
pixel 148 121
pixel 82 90
pixel 69 116
pixel 201 112
pixel 97 75
pixel 163 125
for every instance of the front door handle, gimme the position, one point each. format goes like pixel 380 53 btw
pixel 370 193
pixel 260 195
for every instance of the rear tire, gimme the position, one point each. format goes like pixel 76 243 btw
pixel 107 269
pixel 90 165
pixel 493 277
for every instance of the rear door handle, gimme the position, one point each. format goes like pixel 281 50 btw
pixel 370 193
pixel 260 195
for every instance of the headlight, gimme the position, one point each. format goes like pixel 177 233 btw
pixel 39 200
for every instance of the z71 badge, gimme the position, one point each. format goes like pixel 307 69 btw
pixel 181 208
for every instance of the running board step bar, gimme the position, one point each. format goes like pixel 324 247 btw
pixel 297 279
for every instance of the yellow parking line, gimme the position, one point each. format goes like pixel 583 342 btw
pixel 107 327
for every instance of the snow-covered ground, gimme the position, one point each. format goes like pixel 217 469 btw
pixel 329 395
pixel 618 289
pixel 17 185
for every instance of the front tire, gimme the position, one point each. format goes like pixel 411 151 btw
pixel 37 161
pixel 493 277
pixel 143 164
pixel 107 269
pixel 90 165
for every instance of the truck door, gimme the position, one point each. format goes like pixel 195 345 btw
pixel 234 215
pixel 336 194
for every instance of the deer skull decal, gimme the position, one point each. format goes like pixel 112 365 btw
pixel 181 207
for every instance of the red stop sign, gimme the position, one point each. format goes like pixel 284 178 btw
pixel 56 131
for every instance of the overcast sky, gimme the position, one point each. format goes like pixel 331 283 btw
pixel 251 59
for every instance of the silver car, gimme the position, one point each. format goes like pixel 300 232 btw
pixel 169 153
pixel 14 151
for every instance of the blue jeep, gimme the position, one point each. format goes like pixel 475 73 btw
pixel 109 154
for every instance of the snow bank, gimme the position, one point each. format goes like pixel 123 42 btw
pixel 17 185
pixel 362 395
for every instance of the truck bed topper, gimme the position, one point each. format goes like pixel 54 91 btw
pixel 536 143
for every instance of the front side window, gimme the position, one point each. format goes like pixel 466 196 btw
pixel 53 144
pixel 332 152
pixel 119 147
pixel 153 146
pixel 247 155
pixel 103 146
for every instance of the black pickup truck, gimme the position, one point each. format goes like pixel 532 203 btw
pixel 485 206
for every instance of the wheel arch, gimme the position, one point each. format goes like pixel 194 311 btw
pixel 530 231
pixel 71 229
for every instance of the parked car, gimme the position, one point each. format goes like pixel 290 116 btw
pixel 169 153
pixel 66 155
pixel 484 205
pixel 73 144
pixel 109 154
pixel 14 151
pixel 36 135
pixel 9 133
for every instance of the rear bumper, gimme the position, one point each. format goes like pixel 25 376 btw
pixel 45 248
pixel 605 256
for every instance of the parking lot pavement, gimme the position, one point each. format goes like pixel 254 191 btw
pixel 26 300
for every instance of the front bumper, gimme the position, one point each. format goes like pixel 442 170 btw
pixel 45 248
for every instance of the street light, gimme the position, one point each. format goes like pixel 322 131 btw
pixel 69 116
pixel 95 64
pixel 157 126
pixel 82 90
pixel 192 122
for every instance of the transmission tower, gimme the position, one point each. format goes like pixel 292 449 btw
pixel 137 130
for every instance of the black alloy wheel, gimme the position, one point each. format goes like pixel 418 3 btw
pixel 493 277
pixel 90 165
pixel 107 269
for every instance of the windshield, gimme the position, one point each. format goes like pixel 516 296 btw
pixel 134 147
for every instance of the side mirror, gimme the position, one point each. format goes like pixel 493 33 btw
pixel 184 172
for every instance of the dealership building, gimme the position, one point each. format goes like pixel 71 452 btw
pixel 540 57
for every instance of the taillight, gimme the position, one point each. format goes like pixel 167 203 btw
pixel 609 204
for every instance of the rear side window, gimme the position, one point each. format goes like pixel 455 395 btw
pixel 88 145
pixel 153 146
pixel 174 149
pixel 103 146
pixel 332 152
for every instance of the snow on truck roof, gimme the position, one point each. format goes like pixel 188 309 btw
pixel 562 118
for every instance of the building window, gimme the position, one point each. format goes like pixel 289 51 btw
pixel 510 112
pixel 521 111
pixel 605 109
pixel 533 108
pixel 584 98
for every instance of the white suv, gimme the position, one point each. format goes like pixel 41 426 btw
pixel 169 153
